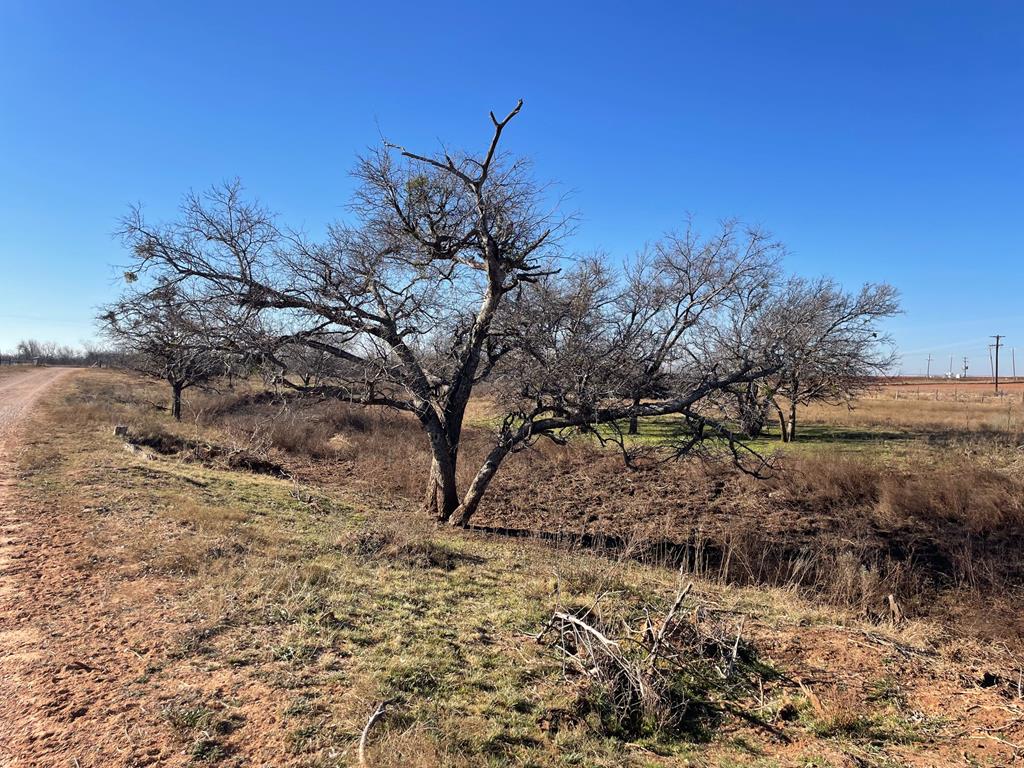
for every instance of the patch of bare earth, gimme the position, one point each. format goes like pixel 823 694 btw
pixel 86 631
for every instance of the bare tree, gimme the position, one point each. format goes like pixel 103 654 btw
pixel 833 349
pixel 28 350
pixel 447 278
pixel 588 340
pixel 162 333
pixel 48 353
pixel 685 278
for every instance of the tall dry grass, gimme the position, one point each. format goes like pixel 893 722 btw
pixel 848 528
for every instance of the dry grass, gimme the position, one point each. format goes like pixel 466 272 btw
pixel 287 612
pixel 7 371
pixel 926 411
pixel 848 528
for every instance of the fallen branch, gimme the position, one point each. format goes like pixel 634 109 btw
pixel 735 649
pixel 568 618
pixel 378 713
pixel 644 681
pixel 668 621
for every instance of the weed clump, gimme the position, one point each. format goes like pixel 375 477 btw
pixel 204 728
pixel 407 541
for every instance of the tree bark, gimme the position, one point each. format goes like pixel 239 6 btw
pixel 753 411
pixel 633 421
pixel 478 487
pixel 792 421
pixel 442 495
pixel 176 401
pixel 783 424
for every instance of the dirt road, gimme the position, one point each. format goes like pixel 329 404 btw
pixel 17 394
pixel 19 641
pixel 71 643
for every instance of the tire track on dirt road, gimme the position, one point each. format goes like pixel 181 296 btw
pixel 17 395
pixel 89 635
pixel 19 641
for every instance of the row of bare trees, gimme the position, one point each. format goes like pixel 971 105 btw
pixel 451 273
pixel 29 351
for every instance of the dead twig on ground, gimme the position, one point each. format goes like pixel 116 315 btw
pixel 646 680
pixel 667 623
pixel 378 713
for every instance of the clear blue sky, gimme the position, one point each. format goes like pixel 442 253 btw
pixel 880 141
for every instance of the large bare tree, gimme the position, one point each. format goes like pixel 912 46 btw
pixel 683 278
pixel 450 274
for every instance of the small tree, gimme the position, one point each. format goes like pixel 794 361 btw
pixel 165 335
pixel 833 348
pixel 684 278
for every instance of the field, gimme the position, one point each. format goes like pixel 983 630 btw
pixel 245 588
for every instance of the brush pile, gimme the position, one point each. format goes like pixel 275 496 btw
pixel 680 673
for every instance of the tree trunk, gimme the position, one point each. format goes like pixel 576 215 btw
pixel 783 424
pixel 479 485
pixel 633 425
pixel 442 496
pixel 753 411
pixel 176 401
pixel 792 421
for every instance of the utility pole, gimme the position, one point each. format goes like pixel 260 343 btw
pixel 928 374
pixel 997 337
